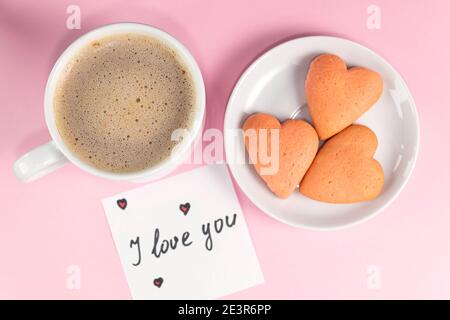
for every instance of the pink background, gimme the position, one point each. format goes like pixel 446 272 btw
pixel 58 221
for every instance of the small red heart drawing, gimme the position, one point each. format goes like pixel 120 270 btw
pixel 122 203
pixel 158 282
pixel 185 208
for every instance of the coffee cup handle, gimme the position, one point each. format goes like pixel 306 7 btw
pixel 39 162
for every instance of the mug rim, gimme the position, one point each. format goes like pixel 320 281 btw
pixel 168 164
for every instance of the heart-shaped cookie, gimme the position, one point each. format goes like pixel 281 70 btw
pixel 344 170
pixel 337 96
pixel 281 154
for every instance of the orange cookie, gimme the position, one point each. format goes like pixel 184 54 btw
pixel 297 145
pixel 337 96
pixel 344 170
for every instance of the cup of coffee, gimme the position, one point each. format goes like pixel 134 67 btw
pixel 114 100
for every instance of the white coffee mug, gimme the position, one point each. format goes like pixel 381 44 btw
pixel 54 154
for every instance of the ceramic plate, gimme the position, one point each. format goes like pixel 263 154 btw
pixel 274 84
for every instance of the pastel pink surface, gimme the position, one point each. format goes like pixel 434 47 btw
pixel 58 221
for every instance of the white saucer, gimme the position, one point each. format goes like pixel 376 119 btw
pixel 274 84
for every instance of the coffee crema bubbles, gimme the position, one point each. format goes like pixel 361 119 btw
pixel 119 100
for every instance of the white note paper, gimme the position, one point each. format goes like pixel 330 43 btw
pixel 183 237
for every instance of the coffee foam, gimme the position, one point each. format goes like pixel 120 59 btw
pixel 120 99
